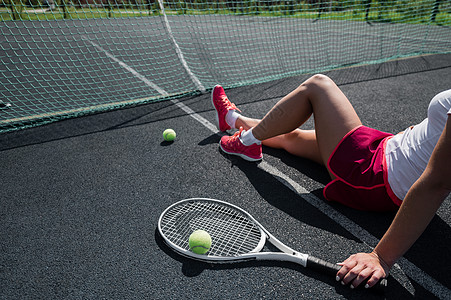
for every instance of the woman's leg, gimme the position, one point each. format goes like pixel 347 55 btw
pixel 298 142
pixel 333 113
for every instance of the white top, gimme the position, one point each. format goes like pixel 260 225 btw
pixel 408 153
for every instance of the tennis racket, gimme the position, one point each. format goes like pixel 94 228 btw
pixel 236 235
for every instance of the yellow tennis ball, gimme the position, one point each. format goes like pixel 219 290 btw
pixel 169 135
pixel 200 242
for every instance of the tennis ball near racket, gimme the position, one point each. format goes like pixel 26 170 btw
pixel 169 135
pixel 200 242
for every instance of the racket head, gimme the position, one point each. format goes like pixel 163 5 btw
pixel 233 231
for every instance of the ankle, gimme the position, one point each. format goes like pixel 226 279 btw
pixel 231 118
pixel 247 138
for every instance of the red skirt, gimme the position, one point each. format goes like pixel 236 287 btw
pixel 358 163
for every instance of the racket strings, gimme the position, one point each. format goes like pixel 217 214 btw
pixel 232 232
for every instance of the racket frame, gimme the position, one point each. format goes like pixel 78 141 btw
pixel 288 254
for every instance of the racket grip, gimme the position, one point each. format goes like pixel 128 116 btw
pixel 332 269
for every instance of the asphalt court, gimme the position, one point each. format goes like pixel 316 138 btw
pixel 81 199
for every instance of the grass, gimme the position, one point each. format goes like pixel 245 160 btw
pixel 443 18
pixel 74 14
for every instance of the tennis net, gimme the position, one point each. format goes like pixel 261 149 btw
pixel 63 58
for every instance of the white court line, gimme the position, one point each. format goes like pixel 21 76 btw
pixel 128 68
pixel 408 268
pixel 179 52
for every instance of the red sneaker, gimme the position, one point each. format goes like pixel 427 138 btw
pixel 233 145
pixel 222 105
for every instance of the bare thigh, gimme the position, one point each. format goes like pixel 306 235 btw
pixel 333 114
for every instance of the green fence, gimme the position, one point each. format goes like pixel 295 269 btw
pixel 64 58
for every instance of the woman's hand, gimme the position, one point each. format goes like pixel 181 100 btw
pixel 358 267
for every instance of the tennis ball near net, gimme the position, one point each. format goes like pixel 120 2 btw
pixel 199 242
pixel 169 135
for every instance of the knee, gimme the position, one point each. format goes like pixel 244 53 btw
pixel 291 136
pixel 319 79
pixel 290 141
pixel 318 83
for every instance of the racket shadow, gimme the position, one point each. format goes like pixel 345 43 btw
pixel 193 268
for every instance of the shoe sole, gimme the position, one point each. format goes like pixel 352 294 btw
pixel 245 157
pixel 213 103
pixel 217 114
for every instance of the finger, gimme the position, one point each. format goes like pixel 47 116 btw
pixel 361 277
pixel 352 274
pixel 346 266
pixel 376 276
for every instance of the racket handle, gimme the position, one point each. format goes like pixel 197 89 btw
pixel 332 269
